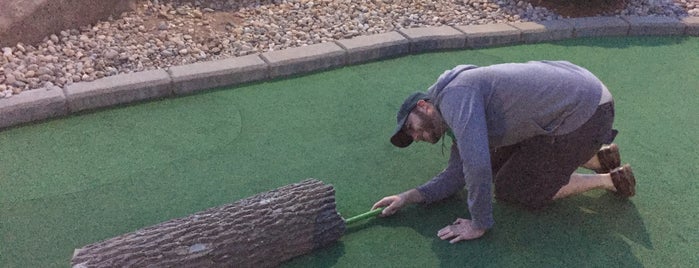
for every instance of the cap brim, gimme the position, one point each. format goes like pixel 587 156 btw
pixel 401 139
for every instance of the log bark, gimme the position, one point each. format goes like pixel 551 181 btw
pixel 260 231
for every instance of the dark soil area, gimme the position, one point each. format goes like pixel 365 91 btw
pixel 580 8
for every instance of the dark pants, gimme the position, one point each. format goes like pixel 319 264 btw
pixel 531 172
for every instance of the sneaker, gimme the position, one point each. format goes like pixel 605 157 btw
pixel 609 158
pixel 624 181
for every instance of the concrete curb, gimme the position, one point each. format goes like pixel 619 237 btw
pixel 306 59
pixel 490 35
pixel 187 79
pixel 33 105
pixel 434 38
pixel 40 104
pixel 595 27
pixel 374 47
pixel 118 89
pixel 545 31
pixel 654 26
pixel 692 24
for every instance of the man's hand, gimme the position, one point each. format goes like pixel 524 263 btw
pixel 392 203
pixel 462 229
pixel 396 202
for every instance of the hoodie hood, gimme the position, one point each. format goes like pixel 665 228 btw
pixel 446 78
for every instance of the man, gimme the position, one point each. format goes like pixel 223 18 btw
pixel 520 128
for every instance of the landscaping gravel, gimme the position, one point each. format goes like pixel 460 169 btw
pixel 163 33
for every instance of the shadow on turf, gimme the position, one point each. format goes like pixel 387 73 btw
pixel 582 231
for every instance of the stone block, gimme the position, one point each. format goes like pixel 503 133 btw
pixel 488 35
pixel 299 60
pixel 535 32
pixel 426 39
pixel 195 77
pixel 654 25
pixel 692 26
pixel 599 26
pixel 118 89
pixel 32 105
pixel 375 47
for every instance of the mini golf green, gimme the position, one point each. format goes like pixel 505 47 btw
pixel 74 181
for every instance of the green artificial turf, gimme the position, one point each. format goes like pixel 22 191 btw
pixel 74 181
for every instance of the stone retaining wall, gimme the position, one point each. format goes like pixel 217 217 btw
pixel 46 103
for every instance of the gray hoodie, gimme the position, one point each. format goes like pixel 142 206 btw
pixel 500 105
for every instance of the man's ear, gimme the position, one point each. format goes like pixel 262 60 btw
pixel 423 105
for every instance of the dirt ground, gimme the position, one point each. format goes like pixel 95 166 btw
pixel 29 22
pixel 580 8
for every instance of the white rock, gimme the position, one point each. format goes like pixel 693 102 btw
pixel 7 52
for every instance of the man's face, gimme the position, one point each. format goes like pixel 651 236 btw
pixel 424 127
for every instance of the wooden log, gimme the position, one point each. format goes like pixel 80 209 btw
pixel 260 231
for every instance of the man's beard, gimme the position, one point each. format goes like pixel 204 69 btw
pixel 433 125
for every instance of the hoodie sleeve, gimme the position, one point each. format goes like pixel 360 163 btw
pixel 446 183
pixel 464 111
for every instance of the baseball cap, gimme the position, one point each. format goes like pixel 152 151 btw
pixel 400 138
